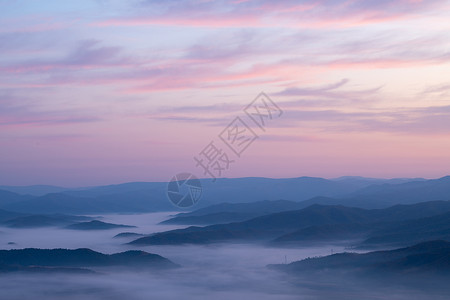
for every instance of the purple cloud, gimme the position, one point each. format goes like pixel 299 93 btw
pixel 271 13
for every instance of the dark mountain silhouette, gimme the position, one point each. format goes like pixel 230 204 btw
pixel 80 258
pixel 128 234
pixel 38 269
pixel 298 224
pixel 265 207
pixel 271 225
pixel 7 215
pixel 194 236
pixel 232 212
pixel 326 233
pixel 421 259
pixel 399 225
pixel 214 218
pixel 412 211
pixel 411 231
pixel 96 225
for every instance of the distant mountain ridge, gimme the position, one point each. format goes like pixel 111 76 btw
pixel 33 190
pixel 151 196
pixel 7 197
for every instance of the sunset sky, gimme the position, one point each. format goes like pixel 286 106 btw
pixel 103 92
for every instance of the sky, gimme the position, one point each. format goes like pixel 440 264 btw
pixel 103 92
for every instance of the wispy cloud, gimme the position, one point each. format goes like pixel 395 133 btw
pixel 87 54
pixel 442 89
pixel 331 91
pixel 292 138
pixel 328 111
pixel 264 13
pixel 21 111
pixel 434 120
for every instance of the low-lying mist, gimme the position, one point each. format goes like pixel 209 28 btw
pixel 217 271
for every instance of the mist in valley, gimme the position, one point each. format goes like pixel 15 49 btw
pixel 219 271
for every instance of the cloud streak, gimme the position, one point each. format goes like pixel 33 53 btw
pixel 264 13
pixel 326 110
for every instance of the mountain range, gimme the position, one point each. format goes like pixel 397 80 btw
pixel 77 260
pixel 316 223
pixel 423 259
pixel 151 196
pixel 96 225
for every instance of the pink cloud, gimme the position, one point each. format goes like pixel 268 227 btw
pixel 86 55
pixel 271 14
